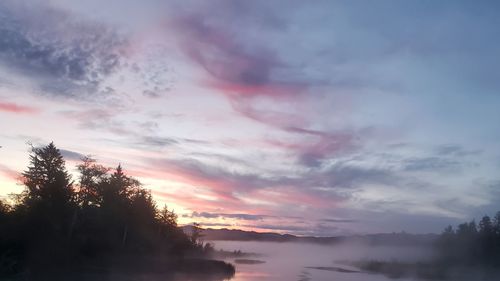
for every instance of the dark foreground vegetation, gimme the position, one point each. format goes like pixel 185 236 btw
pixel 468 252
pixel 101 225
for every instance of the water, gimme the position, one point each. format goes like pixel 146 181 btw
pixel 290 261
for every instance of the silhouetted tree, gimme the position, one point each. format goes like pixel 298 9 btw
pixel 45 212
pixel 4 209
pixel 196 234
pixel 8 252
pixel 116 205
pixel 49 193
pixel 91 181
pixel 167 217
pixel 471 243
pixel 487 238
pixel 46 178
pixel 447 241
pixel 486 226
pixel 52 227
pixel 142 220
pixel 496 223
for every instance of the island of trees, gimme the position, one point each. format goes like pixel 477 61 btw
pixel 471 243
pixel 104 222
pixel 470 251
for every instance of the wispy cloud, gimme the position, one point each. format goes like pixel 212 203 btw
pixel 208 215
pixel 432 164
pixel 71 155
pixel 233 68
pixel 340 220
pixel 16 108
pixel 9 173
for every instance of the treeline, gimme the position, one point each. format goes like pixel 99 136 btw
pixel 58 223
pixel 471 243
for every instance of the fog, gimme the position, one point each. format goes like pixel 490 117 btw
pixel 293 261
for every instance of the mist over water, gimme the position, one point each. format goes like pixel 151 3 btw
pixel 290 261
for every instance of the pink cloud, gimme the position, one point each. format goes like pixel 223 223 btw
pixel 187 200
pixel 313 146
pixel 9 173
pixel 275 90
pixel 15 108
pixel 220 187
pixel 228 190
pixel 276 119
pixel 233 69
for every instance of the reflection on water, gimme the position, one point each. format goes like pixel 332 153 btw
pixel 311 262
pixel 305 276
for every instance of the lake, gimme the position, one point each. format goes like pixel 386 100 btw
pixel 293 261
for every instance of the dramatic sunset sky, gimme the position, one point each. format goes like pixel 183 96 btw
pixel 305 117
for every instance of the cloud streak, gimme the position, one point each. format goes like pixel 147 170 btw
pixel 71 155
pixel 16 108
pixel 208 215
pixel 9 173
pixel 233 69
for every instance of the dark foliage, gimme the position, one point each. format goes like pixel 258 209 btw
pixel 57 224
pixel 472 243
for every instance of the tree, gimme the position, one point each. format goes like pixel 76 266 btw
pixel 167 217
pixel 50 228
pixel 4 208
pixel 472 244
pixel 143 214
pixel 118 190
pixel 117 195
pixel 496 224
pixel 448 231
pixel 487 239
pixel 47 210
pixel 486 226
pixel 4 214
pixel 467 230
pixel 119 187
pixel 196 234
pixel 46 178
pixel 447 237
pixel 91 180
pixel 167 221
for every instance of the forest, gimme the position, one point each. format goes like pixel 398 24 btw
pixel 472 243
pixel 470 251
pixel 102 220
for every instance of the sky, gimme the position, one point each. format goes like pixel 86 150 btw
pixel 303 117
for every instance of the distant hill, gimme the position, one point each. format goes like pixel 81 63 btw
pixel 397 239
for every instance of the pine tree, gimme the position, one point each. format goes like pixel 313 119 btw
pixel 46 178
pixel 486 226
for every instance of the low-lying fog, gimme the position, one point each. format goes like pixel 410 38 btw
pixel 293 261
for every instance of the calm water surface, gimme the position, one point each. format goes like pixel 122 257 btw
pixel 289 261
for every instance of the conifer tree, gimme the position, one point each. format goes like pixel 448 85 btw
pixel 46 178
